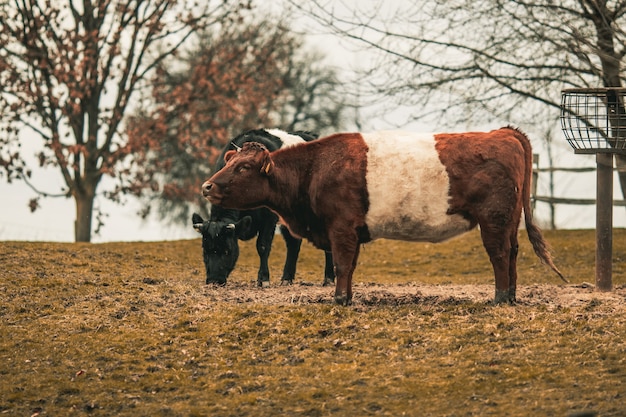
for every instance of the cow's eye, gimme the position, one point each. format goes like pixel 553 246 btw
pixel 243 168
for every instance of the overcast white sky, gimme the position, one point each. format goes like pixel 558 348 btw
pixel 54 220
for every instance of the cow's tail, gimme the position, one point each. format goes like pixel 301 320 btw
pixel 540 245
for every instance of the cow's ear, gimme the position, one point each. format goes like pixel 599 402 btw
pixel 268 164
pixel 229 155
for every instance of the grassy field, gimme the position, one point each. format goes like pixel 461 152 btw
pixel 121 329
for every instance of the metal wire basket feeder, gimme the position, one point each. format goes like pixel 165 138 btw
pixel 594 119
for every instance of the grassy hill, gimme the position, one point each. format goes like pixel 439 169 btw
pixel 131 329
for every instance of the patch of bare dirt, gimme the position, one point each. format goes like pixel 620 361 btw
pixel 377 294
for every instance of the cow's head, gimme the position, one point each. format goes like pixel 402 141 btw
pixel 243 182
pixel 220 245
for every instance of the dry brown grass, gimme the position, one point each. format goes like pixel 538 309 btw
pixel 130 329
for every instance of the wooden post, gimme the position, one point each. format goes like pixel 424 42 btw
pixel 533 202
pixel 604 221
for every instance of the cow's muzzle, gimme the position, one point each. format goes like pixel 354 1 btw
pixel 206 188
pixel 212 192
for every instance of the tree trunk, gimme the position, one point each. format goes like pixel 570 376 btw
pixel 611 70
pixel 84 215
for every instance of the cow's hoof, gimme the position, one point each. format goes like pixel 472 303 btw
pixel 342 299
pixel 263 284
pixel 216 282
pixel 504 297
pixel 328 281
pixel 285 282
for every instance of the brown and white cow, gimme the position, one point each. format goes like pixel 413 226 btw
pixel 351 188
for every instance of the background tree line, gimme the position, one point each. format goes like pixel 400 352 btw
pixel 146 92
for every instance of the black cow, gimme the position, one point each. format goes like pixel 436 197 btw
pixel 220 234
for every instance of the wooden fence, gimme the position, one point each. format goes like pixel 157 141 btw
pixel 560 200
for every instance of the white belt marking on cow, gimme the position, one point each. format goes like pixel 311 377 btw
pixel 287 138
pixel 408 189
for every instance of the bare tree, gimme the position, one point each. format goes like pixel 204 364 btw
pixel 486 59
pixel 68 71
pixel 234 79
pixel 312 99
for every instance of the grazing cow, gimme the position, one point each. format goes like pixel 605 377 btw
pixel 351 188
pixel 221 232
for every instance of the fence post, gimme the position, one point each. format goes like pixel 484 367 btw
pixel 604 222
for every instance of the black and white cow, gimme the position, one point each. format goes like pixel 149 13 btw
pixel 221 232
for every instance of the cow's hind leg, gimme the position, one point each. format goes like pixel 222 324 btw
pixel 498 247
pixel 513 267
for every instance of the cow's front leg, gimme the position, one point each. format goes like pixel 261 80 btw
pixel 329 270
pixel 345 252
pixel 293 251
pixel 263 247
